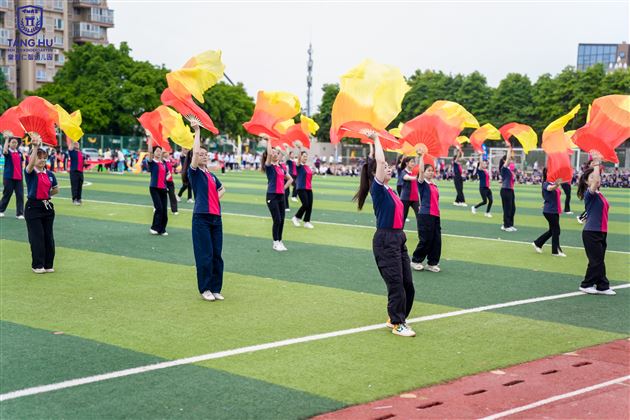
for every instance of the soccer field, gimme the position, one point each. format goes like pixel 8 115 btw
pixel 300 333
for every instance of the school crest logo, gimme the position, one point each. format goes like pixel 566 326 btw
pixel 29 19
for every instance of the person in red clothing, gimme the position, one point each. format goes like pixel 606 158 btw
pixel 304 186
pixel 158 189
pixel 388 243
pixel 409 191
pixel 170 185
pixel 552 209
pixel 506 168
pixel 429 227
pixel 484 188
pixel 12 177
pixel 595 230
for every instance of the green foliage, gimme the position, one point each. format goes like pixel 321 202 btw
pixel 511 100
pixel 7 100
pixel 323 117
pixel 110 88
pixel 229 107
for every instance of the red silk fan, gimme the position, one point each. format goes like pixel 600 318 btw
pixel 187 108
pixel 44 128
pixel 9 122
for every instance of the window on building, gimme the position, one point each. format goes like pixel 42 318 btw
pixel 59 24
pixel 59 40
pixel 40 75
pixel 58 4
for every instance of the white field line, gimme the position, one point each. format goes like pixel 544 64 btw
pixel 266 346
pixel 343 224
pixel 557 398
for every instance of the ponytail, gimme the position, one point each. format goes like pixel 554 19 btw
pixel 583 183
pixel 367 175
pixel 264 162
pixel 544 174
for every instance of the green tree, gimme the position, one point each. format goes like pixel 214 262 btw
pixel 616 82
pixel 475 95
pixel 110 88
pixel 426 88
pixel 512 100
pixel 542 101
pixel 229 107
pixel 7 100
pixel 324 115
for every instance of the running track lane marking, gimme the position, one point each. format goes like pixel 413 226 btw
pixel 266 346
pixel 556 398
pixel 341 224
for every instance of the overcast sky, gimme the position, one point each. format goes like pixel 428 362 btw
pixel 264 43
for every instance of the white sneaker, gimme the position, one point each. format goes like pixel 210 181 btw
pixel 455 203
pixel 287 210
pixel 403 330
pixel 175 213
pixel 539 250
pixel 568 212
pixel 296 221
pixel 218 296
pixel 463 204
pixel 417 266
pixel 39 270
pixel 178 198
pixel 153 232
pixel 609 292
pixel 559 254
pixel 389 324
pixel 503 227
pixel 20 217
pixel 190 200
pixel 207 295
pixel 580 221
pixel 406 220
pixel 589 290
pixel 276 246
pixel 164 234
pixel 510 229
pixel 1 214
pixel 50 270
pixel 294 199
pixel 309 225
pixel 473 210
pixel 281 246
pixel 432 268
pixel 488 215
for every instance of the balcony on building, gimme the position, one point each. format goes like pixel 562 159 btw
pixel 88 32
pixel 104 17
pixel 87 3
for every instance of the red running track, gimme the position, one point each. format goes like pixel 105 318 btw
pixel 528 387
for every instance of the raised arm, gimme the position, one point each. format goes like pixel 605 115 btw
pixel 595 179
pixel 36 142
pixel 510 156
pixel 420 166
pixel 149 145
pixel 194 162
pixel 555 185
pixel 269 149
pixel 5 149
pixel 379 156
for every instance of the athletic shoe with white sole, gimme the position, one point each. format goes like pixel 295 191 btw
pixel 296 221
pixel 294 199
pixel 190 200
pixel 539 250
pixel 218 296
pixel 207 295
pixel 389 324
pixel 589 290
pixel 417 266
pixel 153 232
pixel 432 268
pixel 276 246
pixel 463 204
pixel 50 270
pixel 608 292
pixel 503 227
pixel 580 220
pixel 455 203
pixel 559 254
pixel 403 330
pixel 39 270
pixel 287 210
pixel 309 225
pixel 281 246
pixel 164 234
pixel 488 215
pixel 178 198
pixel 568 212
pixel 1 214
pixel 175 213
pixel 473 210
pixel 20 217
pixel 511 229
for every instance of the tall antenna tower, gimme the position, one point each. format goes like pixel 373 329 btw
pixel 309 79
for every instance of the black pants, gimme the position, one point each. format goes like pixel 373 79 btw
pixel 553 219
pixel 486 196
pixel 160 216
pixel 275 203
pixel 392 260
pixel 76 184
pixel 566 188
pixel 429 240
pixel 595 247
pixel 11 186
pixel 287 194
pixel 40 216
pixel 458 181
pixel 185 187
pixel 509 206
pixel 306 197
pixel 407 204
pixel 207 237
pixel 399 189
pixel 170 187
pixel 294 193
